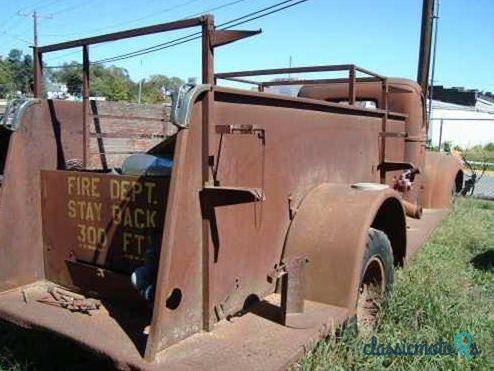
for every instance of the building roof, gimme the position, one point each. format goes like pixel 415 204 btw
pixel 461 98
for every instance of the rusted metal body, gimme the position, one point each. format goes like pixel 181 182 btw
pixel 259 232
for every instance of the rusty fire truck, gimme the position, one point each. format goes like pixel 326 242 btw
pixel 234 229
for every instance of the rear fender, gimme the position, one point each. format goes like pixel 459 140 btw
pixel 330 228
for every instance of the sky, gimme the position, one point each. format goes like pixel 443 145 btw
pixel 380 35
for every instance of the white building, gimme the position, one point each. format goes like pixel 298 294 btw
pixel 56 91
pixel 462 125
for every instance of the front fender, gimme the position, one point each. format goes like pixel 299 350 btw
pixel 440 174
pixel 330 228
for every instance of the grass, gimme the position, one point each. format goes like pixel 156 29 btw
pixel 445 289
pixel 483 154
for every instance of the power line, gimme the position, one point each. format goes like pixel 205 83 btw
pixel 213 9
pixel 36 5
pixel 73 7
pixel 14 36
pixel 192 15
pixel 35 17
pixel 141 18
pixel 197 35
pixel 159 11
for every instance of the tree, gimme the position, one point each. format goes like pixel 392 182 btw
pixel 21 67
pixel 15 73
pixel 69 74
pixel 6 79
pixel 152 88
pixel 112 82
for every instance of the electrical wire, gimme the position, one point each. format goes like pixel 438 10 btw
pixel 73 7
pixel 188 16
pixel 14 36
pixel 108 27
pixel 213 9
pixel 192 15
pixel 196 35
pixel 261 13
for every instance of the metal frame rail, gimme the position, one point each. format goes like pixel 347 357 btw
pixel 211 38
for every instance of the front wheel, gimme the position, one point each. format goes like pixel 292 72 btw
pixel 376 279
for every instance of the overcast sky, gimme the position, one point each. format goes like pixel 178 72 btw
pixel 381 35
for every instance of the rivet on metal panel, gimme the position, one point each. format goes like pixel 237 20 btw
pixel 100 273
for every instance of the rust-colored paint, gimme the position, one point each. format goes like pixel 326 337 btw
pixel 101 219
pixel 439 184
pixel 258 181
pixel 331 228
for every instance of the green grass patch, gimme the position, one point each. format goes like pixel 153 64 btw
pixel 448 287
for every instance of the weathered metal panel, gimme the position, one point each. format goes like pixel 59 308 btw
pixel 318 146
pixel 102 219
pixel 181 256
pixel 41 141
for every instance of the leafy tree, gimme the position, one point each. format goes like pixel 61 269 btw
pixel 71 75
pixel 21 67
pixel 15 73
pixel 111 82
pixel 153 87
pixel 6 78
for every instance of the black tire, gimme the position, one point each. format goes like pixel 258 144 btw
pixel 376 279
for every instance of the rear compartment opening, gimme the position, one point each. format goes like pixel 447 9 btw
pixel 103 222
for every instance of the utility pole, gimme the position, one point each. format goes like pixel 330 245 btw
pixel 431 88
pixel 290 65
pixel 425 45
pixel 35 17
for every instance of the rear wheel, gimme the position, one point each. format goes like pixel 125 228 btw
pixel 376 279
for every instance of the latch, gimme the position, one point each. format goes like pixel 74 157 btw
pixel 242 129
